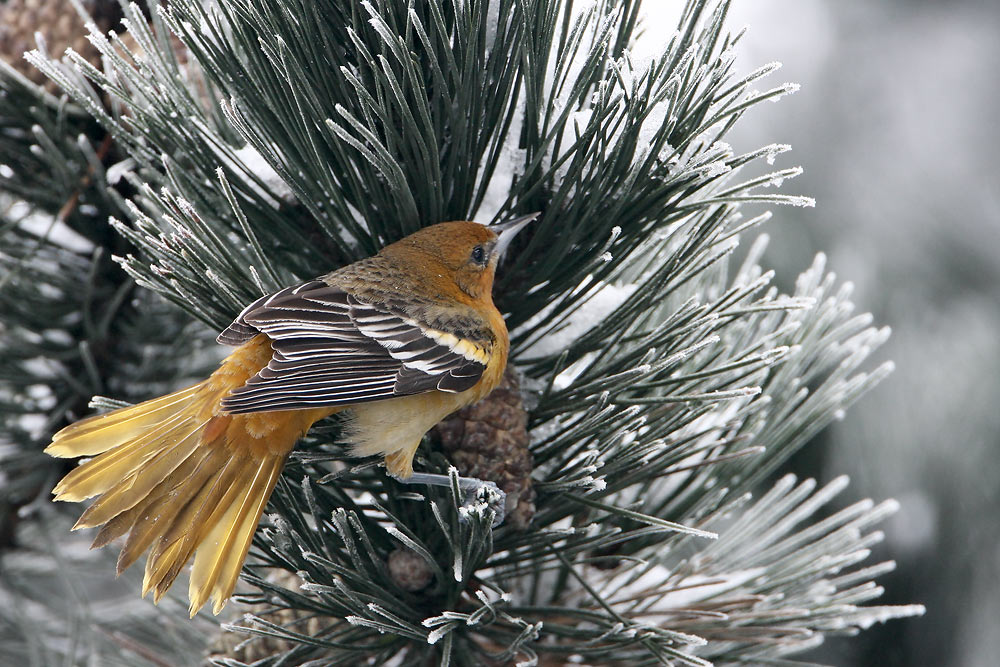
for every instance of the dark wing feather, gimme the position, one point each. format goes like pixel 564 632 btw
pixel 331 348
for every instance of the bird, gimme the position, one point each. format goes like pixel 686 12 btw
pixel 395 342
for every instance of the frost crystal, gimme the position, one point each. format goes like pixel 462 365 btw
pixel 714 169
pixel 787 89
pixel 774 150
pixel 434 636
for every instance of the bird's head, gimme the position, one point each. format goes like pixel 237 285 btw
pixel 466 252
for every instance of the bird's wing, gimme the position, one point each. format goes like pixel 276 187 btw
pixel 331 348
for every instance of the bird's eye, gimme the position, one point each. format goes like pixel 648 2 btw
pixel 479 255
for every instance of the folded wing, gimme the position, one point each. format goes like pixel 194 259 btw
pixel 331 348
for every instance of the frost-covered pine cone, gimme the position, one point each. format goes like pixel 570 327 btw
pixel 489 441
pixel 409 570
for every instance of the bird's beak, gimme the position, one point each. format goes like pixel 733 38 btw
pixel 506 231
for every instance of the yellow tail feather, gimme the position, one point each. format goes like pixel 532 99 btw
pixel 216 569
pixel 183 479
pixel 131 477
pixel 100 433
pixel 142 522
pixel 194 522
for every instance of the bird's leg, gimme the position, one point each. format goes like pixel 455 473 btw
pixel 474 491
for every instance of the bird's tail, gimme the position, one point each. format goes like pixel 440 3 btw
pixel 182 478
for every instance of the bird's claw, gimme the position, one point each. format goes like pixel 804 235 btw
pixel 474 491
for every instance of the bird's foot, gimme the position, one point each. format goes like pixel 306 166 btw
pixel 475 492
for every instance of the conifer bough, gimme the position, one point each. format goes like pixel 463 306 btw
pixel 665 377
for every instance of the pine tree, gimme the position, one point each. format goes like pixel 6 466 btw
pixel 236 147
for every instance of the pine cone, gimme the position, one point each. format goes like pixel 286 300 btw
pixel 409 570
pixel 58 23
pixel 489 441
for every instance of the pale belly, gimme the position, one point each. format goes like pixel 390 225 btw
pixel 395 426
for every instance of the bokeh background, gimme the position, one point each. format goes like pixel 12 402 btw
pixel 896 126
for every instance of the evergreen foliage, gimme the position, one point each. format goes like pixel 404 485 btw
pixel 73 326
pixel 666 378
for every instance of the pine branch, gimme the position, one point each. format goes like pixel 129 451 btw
pixel 72 326
pixel 665 382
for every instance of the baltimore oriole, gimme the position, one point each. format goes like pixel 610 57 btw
pixel 400 340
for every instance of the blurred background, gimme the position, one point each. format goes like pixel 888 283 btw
pixel 896 127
